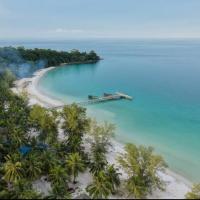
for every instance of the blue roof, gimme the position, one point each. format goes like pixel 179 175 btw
pixel 24 150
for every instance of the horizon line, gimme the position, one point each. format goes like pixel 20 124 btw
pixel 96 38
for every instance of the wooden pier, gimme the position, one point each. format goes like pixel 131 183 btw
pixel 102 99
pixel 112 97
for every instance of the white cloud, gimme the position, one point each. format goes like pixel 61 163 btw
pixel 62 30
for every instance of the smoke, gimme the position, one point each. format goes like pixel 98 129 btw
pixel 11 59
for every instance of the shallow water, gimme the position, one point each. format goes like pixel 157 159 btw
pixel 163 76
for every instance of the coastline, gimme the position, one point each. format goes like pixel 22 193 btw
pixel 29 86
pixel 176 187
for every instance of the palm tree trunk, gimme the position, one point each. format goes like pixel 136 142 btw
pixel 74 181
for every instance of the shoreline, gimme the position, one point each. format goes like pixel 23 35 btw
pixel 29 86
pixel 176 186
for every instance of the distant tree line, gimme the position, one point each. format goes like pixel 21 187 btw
pixel 49 57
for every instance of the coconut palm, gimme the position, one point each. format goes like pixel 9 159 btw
pixel 113 177
pixel 45 122
pixel 13 170
pixel 18 137
pixel 33 166
pixel 30 194
pixel 75 165
pixel 75 120
pixel 75 124
pixel 49 160
pixel 98 162
pixel 59 192
pixel 195 193
pixel 74 143
pixel 22 189
pixel 101 187
pixel 58 175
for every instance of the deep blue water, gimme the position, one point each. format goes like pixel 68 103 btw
pixel 162 75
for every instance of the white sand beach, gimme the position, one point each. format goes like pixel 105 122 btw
pixel 176 186
pixel 29 86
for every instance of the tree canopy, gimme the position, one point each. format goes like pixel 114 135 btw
pixel 194 193
pixel 142 167
pixel 47 57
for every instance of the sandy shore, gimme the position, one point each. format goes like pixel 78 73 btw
pixel 176 186
pixel 29 86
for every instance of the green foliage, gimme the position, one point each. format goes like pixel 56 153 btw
pixel 141 166
pixel 9 55
pixel 7 78
pixel 13 169
pixel 195 193
pixel 53 58
pixel 20 190
pixel 75 164
pixel 75 125
pixel 14 114
pixel 33 166
pixel 59 192
pixel 75 120
pixel 113 177
pixel 49 160
pixel 98 161
pixel 101 186
pixel 102 135
pixel 45 122
pixel 58 175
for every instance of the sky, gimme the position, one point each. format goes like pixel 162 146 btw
pixel 63 19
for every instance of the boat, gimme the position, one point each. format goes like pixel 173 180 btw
pixel 92 97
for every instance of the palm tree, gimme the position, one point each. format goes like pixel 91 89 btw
pixel 18 137
pixel 45 122
pixel 74 143
pixel 33 166
pixel 49 160
pixel 59 192
pixel 75 164
pixel 13 170
pixel 58 175
pixel 101 187
pixel 22 189
pixel 136 186
pixel 195 193
pixel 113 177
pixel 98 163
pixel 75 124
pixel 30 194
pixel 75 120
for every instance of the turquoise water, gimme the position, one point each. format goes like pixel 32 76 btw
pixel 164 78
